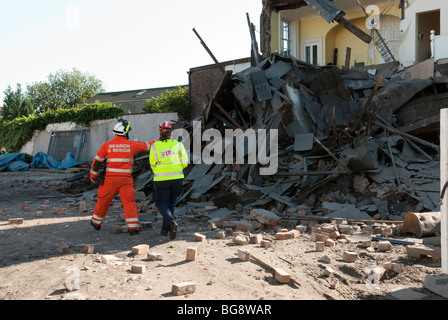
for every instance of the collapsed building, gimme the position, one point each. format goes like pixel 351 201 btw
pixel 352 144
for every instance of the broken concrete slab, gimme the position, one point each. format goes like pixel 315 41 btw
pixel 349 212
pixel 408 294
pixel 437 284
pixel 265 217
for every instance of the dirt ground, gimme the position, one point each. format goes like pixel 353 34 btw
pixel 33 268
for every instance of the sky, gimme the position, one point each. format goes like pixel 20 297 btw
pixel 127 44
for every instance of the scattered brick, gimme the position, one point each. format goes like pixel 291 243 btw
pixel 330 243
pixel 199 237
pixel 395 267
pixel 59 211
pixel 335 234
pixel 386 232
pixel 220 235
pixel 366 243
pixel 265 243
pixel 154 256
pixel 322 236
pixel 328 272
pixel 283 236
pixel 334 284
pixel 191 253
pixel 184 288
pixel 320 246
pixel 243 254
pixel 26 207
pixel 88 249
pixel 140 249
pixel 244 226
pixel 16 221
pixel 256 238
pixel 294 233
pixel 64 249
pixel 282 276
pixel 240 239
pixel 350 256
pixel 138 268
pixel 384 245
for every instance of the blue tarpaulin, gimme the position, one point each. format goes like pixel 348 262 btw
pixel 13 162
pixel 16 162
pixel 42 160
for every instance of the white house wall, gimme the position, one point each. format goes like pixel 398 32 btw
pixel 145 127
pixel 408 45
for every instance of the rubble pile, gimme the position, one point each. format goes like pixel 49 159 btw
pixel 348 146
pixel 356 145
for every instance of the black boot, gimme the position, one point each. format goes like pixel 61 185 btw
pixel 173 230
pixel 97 228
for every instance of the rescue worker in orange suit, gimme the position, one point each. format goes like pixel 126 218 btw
pixel 168 158
pixel 119 156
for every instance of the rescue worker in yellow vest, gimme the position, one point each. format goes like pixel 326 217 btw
pixel 168 158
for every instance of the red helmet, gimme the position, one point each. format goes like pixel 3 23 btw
pixel 165 126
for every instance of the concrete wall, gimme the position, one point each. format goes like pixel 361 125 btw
pixel 145 127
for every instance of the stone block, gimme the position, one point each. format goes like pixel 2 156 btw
pixel 320 246
pixel 283 236
pixel 220 235
pixel 243 226
pixel 384 246
pixel 256 238
pixel 199 237
pixel 138 268
pixel 16 221
pixel 330 243
pixel 294 233
pixel 154 256
pixel 88 249
pixel 243 254
pixel 183 288
pixel 240 239
pixel 264 216
pixel 265 243
pixel 350 256
pixel 328 272
pixel 191 253
pixel 64 249
pixel 282 276
pixel 140 249
pixel 59 211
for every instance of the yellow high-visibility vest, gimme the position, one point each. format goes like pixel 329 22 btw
pixel 168 159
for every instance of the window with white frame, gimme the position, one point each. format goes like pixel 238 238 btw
pixel 312 51
pixel 285 40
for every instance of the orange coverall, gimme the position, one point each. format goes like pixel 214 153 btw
pixel 119 153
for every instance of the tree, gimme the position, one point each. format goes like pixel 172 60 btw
pixel 170 101
pixel 16 104
pixel 65 89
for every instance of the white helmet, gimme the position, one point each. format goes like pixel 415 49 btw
pixel 122 127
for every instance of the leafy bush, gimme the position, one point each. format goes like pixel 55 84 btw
pixel 17 132
pixel 170 101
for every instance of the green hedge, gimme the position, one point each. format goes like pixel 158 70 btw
pixel 15 133
pixel 170 101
